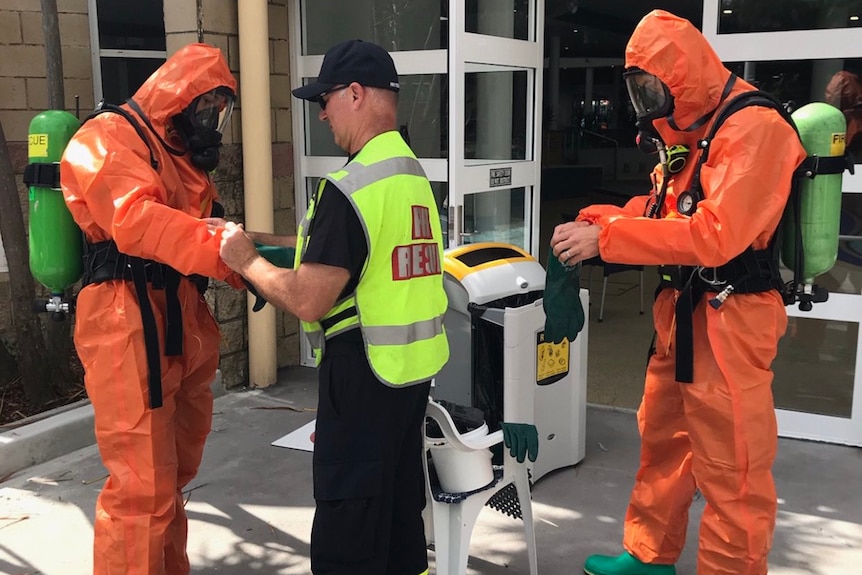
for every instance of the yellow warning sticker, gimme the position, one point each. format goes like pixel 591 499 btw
pixel 37 146
pixel 837 148
pixel 552 359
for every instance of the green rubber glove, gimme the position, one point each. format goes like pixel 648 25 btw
pixel 259 300
pixel 522 439
pixel 564 314
pixel 277 256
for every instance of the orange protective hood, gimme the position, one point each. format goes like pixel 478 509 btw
pixel 673 50
pixel 191 71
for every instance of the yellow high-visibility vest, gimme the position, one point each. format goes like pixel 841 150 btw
pixel 399 302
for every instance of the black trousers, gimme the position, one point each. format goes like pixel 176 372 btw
pixel 369 482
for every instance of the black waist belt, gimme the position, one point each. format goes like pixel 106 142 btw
pixel 753 271
pixel 103 262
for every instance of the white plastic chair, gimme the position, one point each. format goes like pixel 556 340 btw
pixel 453 522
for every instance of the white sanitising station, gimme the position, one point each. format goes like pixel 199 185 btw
pixel 499 361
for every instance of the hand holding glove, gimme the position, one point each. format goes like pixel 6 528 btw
pixel 277 256
pixel 564 314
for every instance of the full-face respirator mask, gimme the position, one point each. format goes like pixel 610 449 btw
pixel 651 100
pixel 201 126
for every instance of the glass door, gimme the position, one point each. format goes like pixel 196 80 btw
pixel 802 56
pixel 495 84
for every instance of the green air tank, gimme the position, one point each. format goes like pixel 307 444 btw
pixel 55 239
pixel 822 129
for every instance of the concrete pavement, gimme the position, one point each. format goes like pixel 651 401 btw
pixel 251 506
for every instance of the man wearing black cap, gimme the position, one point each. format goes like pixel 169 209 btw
pixel 367 284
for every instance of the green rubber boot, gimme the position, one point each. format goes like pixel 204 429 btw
pixel 625 564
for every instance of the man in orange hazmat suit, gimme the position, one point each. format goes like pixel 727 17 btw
pixel 713 429
pixel 136 182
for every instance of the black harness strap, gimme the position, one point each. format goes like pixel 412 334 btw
pixel 174 316
pixel 42 175
pixel 151 335
pixel 753 271
pixel 104 262
pixel 690 295
pixel 105 107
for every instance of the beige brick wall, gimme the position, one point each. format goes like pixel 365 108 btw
pixel 23 90
pixel 23 93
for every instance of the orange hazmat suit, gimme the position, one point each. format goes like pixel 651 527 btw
pixel 114 193
pixel 717 434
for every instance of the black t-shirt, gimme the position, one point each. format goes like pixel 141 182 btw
pixel 337 237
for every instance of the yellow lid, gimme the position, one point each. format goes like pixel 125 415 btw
pixel 467 259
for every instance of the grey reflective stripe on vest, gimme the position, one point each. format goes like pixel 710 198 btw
pixel 315 338
pixel 403 334
pixel 360 176
pixel 304 225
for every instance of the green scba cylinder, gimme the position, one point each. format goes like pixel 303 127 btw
pixel 55 239
pixel 822 129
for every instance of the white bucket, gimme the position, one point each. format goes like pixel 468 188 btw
pixel 462 471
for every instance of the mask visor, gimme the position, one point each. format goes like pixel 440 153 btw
pixel 649 96
pixel 213 109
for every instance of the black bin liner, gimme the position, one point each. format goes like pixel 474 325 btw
pixel 464 417
pixel 488 350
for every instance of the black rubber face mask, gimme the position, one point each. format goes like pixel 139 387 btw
pixel 201 124
pixel 202 143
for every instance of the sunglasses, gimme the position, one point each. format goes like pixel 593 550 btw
pixel 320 98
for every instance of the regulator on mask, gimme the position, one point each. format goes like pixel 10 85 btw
pixel 202 123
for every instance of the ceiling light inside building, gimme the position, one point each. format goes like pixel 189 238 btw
pixel 727 11
pixel 854 18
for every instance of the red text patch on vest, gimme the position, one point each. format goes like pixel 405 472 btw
pixel 421 223
pixel 415 261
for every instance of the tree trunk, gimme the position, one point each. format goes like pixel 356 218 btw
pixel 36 372
pixel 53 55
pixel 58 337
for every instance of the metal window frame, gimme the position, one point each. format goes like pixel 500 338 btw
pixel 96 53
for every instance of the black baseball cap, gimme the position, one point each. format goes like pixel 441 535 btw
pixel 365 63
